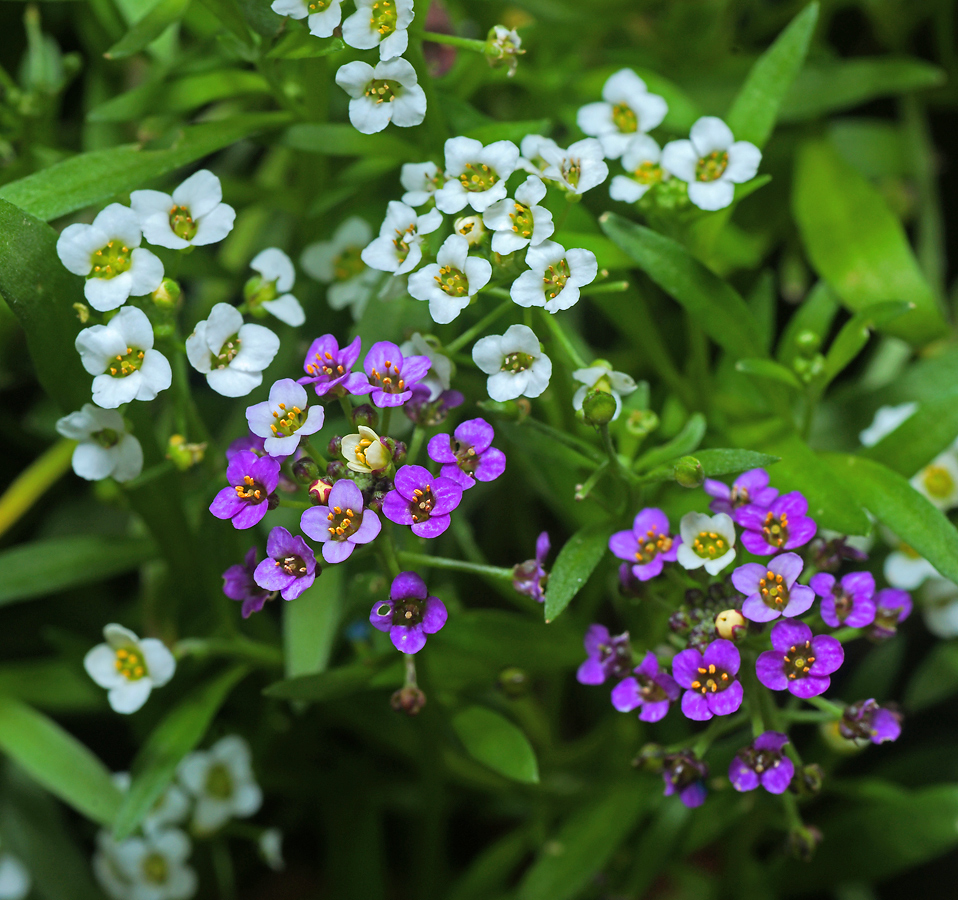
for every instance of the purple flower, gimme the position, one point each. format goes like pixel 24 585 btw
pixel 781 526
pixel 828 555
pixel 253 479
pixel 801 663
pixel 342 523
pixel 712 688
pixel 648 546
pixel 390 377
pixel 848 602
pixel 762 763
pixel 530 577
pixel 771 590
pixel 608 656
pixel 409 614
pixel 749 489
pixel 649 687
pixel 629 585
pixel 424 409
pixel 866 720
pixel 289 567
pixel 685 775
pixel 250 441
pixel 892 606
pixel 330 370
pixel 238 584
pixel 467 455
pixel 422 501
pixel 284 418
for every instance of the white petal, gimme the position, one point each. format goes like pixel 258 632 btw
pixel 527 290
pixel 117 636
pixel 711 195
pixel 520 339
pixel 710 133
pixel 565 299
pixel 452 197
pixel 324 23
pixel 359 32
pixel 444 309
pixel 258 348
pixel 614 145
pixel 159 661
pixel 583 266
pixel 506 242
pixel 368 116
pixel 622 87
pixel 594 119
pixel 531 191
pixel 743 162
pixel 650 110
pixel 295 9
pixel 453 252
pixel 173 844
pixel 100 665
pixel 192 772
pixel 354 76
pixel 201 193
pixel 505 386
pixel 15 880
pixel 287 309
pixel 230 382
pixel 428 222
pixel 478 272
pixel 487 354
pixel 539 376
pixel 110 392
pixel 353 232
pixel 76 244
pixel 422 284
pixel 481 200
pixel 146 272
pixel 198 350
pixel 458 151
pixel 409 107
pixel 158 231
pixel 247 800
pixel 641 148
pixel 155 375
pixel 626 189
pixel 222 323
pixel 129 697
pixel 214 226
pixel 119 221
pixel 127 458
pixel 274 265
pixel 104 294
pixel 688 558
pixel 680 158
pixel 133 328
pixel 318 260
pixel 210 815
pixel 394 45
pixel 97 345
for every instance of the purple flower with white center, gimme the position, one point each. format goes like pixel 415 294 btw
pixel 799 662
pixel 709 678
pixel 342 523
pixel 390 377
pixel 329 369
pixel 648 546
pixel 467 455
pixel 284 418
pixel 530 577
pixel 253 479
pixel 609 656
pixel 409 614
pixel 685 775
pixel 867 721
pixel 848 602
pixel 771 590
pixel 763 763
pixel 289 567
pixel 238 584
pixel 424 409
pixel 649 688
pixel 422 501
pixel 749 489
pixel 892 606
pixel 781 526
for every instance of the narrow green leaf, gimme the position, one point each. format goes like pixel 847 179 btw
pixel 573 566
pixel 51 684
pixel 607 254
pixel 717 462
pixel 145 30
pixel 935 679
pixel 329 685
pixel 766 368
pixel 489 871
pixel 929 430
pixel 495 742
pixel 752 116
pixel 57 761
pixel 854 334
pixel 310 623
pixel 685 442
pixel 298 43
pixel 179 732
pixel 344 140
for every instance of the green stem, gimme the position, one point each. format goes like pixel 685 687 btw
pixel 720 726
pixel 478 328
pixel 441 562
pixel 387 554
pixel 384 420
pixel 833 709
pixel 151 474
pixel 453 41
pixel 415 445
pixel 188 419
pixel 34 481
pixel 315 454
pixel 589 455
pixel 604 287
pixel 847 634
pixel 623 474
pixel 233 648
pixel 806 715
pixel 293 504
pixel 347 410
pixel 585 489
pixel 559 334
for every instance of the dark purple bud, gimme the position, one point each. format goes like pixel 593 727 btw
pixel 514 682
pixel 629 585
pixel 364 414
pixel 802 842
pixel 408 699
pixel 305 470
pixel 828 556
pixel 680 622
pixel 272 501
pixel 319 491
pixel 694 598
pixel 335 446
pixel 397 450
pixel 336 469
pixel 867 721
pixel 375 501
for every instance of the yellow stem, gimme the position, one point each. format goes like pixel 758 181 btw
pixel 33 482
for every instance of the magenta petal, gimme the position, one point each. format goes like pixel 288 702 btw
pixel 381 622
pixel 239 466
pixel 590 672
pixel 859 583
pixel 432 527
pixel 622 544
pixel 626 696
pixel 654 712
pixel 477 433
pixel 862 614
pixel 685 666
pixel 829 655
pixel 368 529
pixel 434 615
pixel 809 686
pixel 337 551
pixel 723 655
pixel 770 670
pixel 448 496
pixel 743 777
pixel 788 565
pixel 595 637
pixel 270 576
pixel 756 544
pixel 746 578
pixel 252 514
pixel 828 613
pixel 649 665
pixel 407 638
pixel 777 779
pixel 491 465
pixel 411 478
pixel 800 532
pixel 788 632
pixel 696 707
pixel 396 508
pixel 314 523
pixel 822 584
pixel 226 504
pixel 439 449
pixel 650 519
pixel 407 586
pixel 723 703
pixel 346 495
pixel 756 609
pixel 297 586
pixel 717 489
pixel 650 569
pixel 800 600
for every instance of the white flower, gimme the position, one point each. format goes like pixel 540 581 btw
pixel 380 23
pixel 906 570
pixel 15 880
pixel 712 162
pixel 520 222
pixel 108 254
pixel 194 215
pixel 230 354
pixel 939 607
pixel 531 148
pixel 642 157
pixel 450 283
pixel 171 809
pixel 514 362
pixel 601 375
pixel 121 356
pixel 129 667
pixel 105 447
pixel 441 367
pixel 338 263
pixel 388 93
pixel 554 276
pixel 477 175
pixel 271 289
pixel 421 181
pixel 107 869
pixel 578 169
pixel 706 541
pixel 271 849
pixel 471 228
pixel 322 15
pixel 628 108
pixel 887 419
pixel 221 780
pixel 398 249
pixel 938 481
pixel 152 867
pixel 364 452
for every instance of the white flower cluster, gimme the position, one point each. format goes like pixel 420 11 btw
pixel 15 880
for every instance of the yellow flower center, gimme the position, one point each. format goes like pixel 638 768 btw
pixel 709 545
pixel 111 260
pixel 130 664
pixel 711 167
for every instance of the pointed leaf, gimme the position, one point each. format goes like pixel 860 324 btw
pixel 495 742
pixel 573 566
pixel 767 368
pixel 310 623
pixel 853 337
pixel 685 442
pixel 929 430
pixel 148 28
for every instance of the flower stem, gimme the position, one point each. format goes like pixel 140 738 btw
pixel 293 504
pixel 34 481
pixel 454 41
pixel 151 474
pixel 589 455
pixel 384 420
pixel 720 726
pixel 347 410
pixel 846 634
pixel 415 445
pixel 387 554
pixel 478 328
pixel 236 648
pixel 583 490
pixel 620 470
pixel 441 562
pixel 833 709
pixel 559 334
pixel 604 287
pixel 314 453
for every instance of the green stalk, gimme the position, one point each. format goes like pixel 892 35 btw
pixel 559 334
pixel 453 41
pixel 441 562
pixel 833 709
pixel 315 454
pixel 478 328
pixel 34 481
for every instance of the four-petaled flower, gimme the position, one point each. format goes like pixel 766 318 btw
pixel 577 169
pixel 329 368
pixel 628 109
pixel 783 525
pixel 398 249
pixel 365 451
pixel 128 667
pixel 390 377
pixel 600 376
pixel 421 181
pixel 749 489
pixel 467 455
pixel 450 283
pixel 709 678
pixel 380 23
pixel 105 447
pixel 514 362
pixel 270 288
pixel 409 614
pixel 193 216
pixel 338 263
pixel 530 577
pixel 892 607
pixel 938 481
pixel 253 479
pixel 685 775
pixel 389 93
pixel 290 566
pixel 771 590
pixel 607 656
pixel 706 541
pixel 649 688
pixel 521 222
pixel 284 418
pixel 341 523
pixel 422 501
pixel 322 15
pixel 642 159
pixel 152 867
pixel 762 763
pixel 648 546
pixel 799 662
pixel 867 721
pixel 554 276
pixel 848 602
pixel 240 585
pixel 477 175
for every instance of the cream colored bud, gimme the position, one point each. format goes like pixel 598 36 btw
pixel 731 625
pixel 471 228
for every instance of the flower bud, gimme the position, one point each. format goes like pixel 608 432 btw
pixel 272 502
pixel 83 312
pixel 503 48
pixel 689 472
pixel 803 841
pixel 649 758
pixel 641 422
pixel 168 294
pixel 731 625
pixel 305 470
pixel 513 682
pixel 182 454
pixel 364 414
pixel 808 780
pixel 319 490
pixel 336 469
pixel 397 450
pixel 807 342
pixel 471 228
pixel 598 407
pixel 335 446
pixel 408 699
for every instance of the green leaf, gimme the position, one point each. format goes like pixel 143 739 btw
pixel 179 733
pixel 717 462
pixel 931 429
pixel 685 442
pixel 99 176
pixel 508 131
pixel 344 140
pixel 856 243
pixel 935 679
pixel 491 868
pixel 148 28
pixel 854 334
pixel 573 566
pixel 310 623
pixel 298 43
pixel 51 684
pixel 607 254
pixel 815 314
pixel 56 564
pixel 57 761
pixel 495 742
pixel 768 369
pixel 752 116
pixel 329 685
pixel 712 302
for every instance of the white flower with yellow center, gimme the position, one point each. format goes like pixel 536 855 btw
pixel 222 783
pixel 476 174
pixel 450 283
pixel 441 367
pixel 172 808
pixel 939 607
pixel 152 867
pixel 388 93
pixel 472 228
pixel 322 15
pixel 104 447
pixel 129 668
pixel 365 452
pixel 600 376
pixel 906 569
pixel 270 288
pixel 514 362
pixel 380 23
pixel 554 277
pixel 421 181
pixel 706 541
pixel 521 222
pixel 578 169
pixel 938 481
pixel 642 160
pixel 531 148
pixel 338 263
pixel 886 420
pixel 398 249
pixel 628 109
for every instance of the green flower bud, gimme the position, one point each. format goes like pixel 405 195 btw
pixel 514 682
pixel 641 422
pixel 305 470
pixel 808 780
pixel 168 294
pixel 182 454
pixel 598 407
pixel 689 472
pixel 807 342
pixel 802 842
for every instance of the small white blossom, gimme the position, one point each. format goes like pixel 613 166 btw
pixel 706 541
pixel 222 783
pixel 230 354
pixel 108 254
pixel 172 808
pixel 193 216
pixel 450 283
pixel 472 228
pixel 628 108
pixel 388 93
pixel 578 169
pixel 364 452
pixel 939 607
pixel 338 263
pixel 601 375
pixel 15 880
pixel 476 174
pixel 152 867
pixel 121 356
pixel 441 367
pixel 322 15
pixel 514 362
pixel 503 45
pixel 642 159
pixel 129 668
pixel 520 222
pixel 531 148
pixel 104 447
pixel 886 420
pixel 554 276
pixel 712 162
pixel 938 481
pixel 421 181
pixel 398 249
pixel 271 289
pixel 271 849
pixel 380 23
